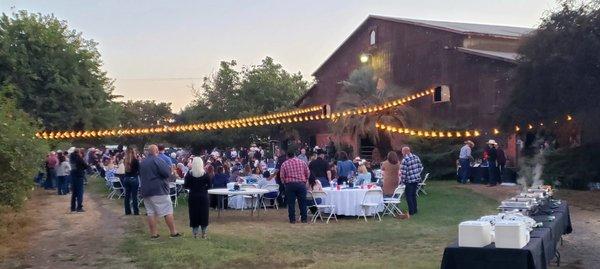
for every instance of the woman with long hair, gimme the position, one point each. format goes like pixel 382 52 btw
pixel 198 181
pixel 391 178
pixel 131 181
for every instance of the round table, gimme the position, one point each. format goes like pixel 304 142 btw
pixel 223 192
pixel 348 201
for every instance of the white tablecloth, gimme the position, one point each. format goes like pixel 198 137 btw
pixel 348 202
pixel 238 201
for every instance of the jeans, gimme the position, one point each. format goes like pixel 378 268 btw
pixel 77 195
pixel 324 181
pixel 493 173
pixel 61 185
pixel 50 178
pixel 411 197
pixel 464 171
pixel 500 172
pixel 296 191
pixel 131 185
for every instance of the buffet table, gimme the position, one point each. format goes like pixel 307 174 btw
pixel 538 253
pixel 348 201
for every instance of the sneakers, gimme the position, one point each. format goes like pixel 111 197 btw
pixel 154 237
pixel 80 210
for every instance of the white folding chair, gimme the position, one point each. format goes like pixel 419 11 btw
pixel 366 204
pixel 422 185
pixel 116 187
pixel 272 188
pixel 321 207
pixel 392 203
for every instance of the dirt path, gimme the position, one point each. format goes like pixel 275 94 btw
pixel 581 248
pixel 72 240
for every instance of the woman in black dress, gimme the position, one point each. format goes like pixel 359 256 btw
pixel 197 181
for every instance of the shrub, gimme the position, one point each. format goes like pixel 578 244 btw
pixel 437 155
pixel 573 168
pixel 21 154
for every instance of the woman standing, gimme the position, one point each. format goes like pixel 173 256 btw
pixel 391 178
pixel 77 178
pixel 197 181
pixel 63 171
pixel 131 181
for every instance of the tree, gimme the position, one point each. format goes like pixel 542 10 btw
pixel 229 94
pixel 139 114
pixel 21 154
pixel 360 89
pixel 54 73
pixel 558 72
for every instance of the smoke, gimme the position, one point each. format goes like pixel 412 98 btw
pixel 532 167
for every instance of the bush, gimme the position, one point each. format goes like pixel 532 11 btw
pixel 437 155
pixel 573 168
pixel 21 154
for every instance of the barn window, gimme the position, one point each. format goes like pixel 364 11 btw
pixel 373 37
pixel 441 94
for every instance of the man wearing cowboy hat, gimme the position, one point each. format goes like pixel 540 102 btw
pixel 464 159
pixel 492 165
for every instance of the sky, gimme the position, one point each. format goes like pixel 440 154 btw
pixel 158 49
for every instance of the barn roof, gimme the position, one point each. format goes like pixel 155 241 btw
pixel 465 28
pixel 510 57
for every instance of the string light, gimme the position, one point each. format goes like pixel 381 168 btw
pixel 427 133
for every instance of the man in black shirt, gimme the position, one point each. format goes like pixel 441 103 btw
pixel 492 165
pixel 318 168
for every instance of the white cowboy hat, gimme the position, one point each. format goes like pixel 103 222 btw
pixel 71 150
pixel 492 142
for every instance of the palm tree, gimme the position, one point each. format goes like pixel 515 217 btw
pixel 361 90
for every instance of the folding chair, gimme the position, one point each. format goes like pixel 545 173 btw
pixel 116 187
pixel 392 203
pixel 174 195
pixel 369 196
pixel 320 206
pixel 270 196
pixel 422 185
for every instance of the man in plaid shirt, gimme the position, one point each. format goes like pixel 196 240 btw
pixel 410 171
pixel 294 174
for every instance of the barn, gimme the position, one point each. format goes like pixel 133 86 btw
pixel 469 65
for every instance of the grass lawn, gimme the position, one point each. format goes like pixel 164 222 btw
pixel 238 240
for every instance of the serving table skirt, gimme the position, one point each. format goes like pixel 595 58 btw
pixel 348 202
pixel 536 254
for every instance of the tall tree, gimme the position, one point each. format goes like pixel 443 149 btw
pixel 360 89
pixel 55 74
pixel 256 90
pixel 139 114
pixel 559 71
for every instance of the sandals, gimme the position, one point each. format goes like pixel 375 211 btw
pixel 176 235
pixel 154 237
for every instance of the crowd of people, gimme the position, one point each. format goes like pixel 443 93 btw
pixel 494 159
pixel 152 173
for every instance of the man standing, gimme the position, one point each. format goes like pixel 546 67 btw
pixel 501 162
pixel 280 160
pixel 163 156
pixel 464 159
pixel 410 170
pixel 154 174
pixel 318 168
pixel 330 149
pixel 294 174
pixel 51 164
pixel 492 165
pixel 302 155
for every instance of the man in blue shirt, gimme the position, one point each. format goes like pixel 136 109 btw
pixel 464 159
pixel 410 170
pixel 163 156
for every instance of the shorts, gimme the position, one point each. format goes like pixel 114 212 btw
pixel 159 205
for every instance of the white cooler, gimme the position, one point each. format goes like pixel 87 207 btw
pixel 511 234
pixel 474 233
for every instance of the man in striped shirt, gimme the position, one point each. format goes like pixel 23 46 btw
pixel 294 174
